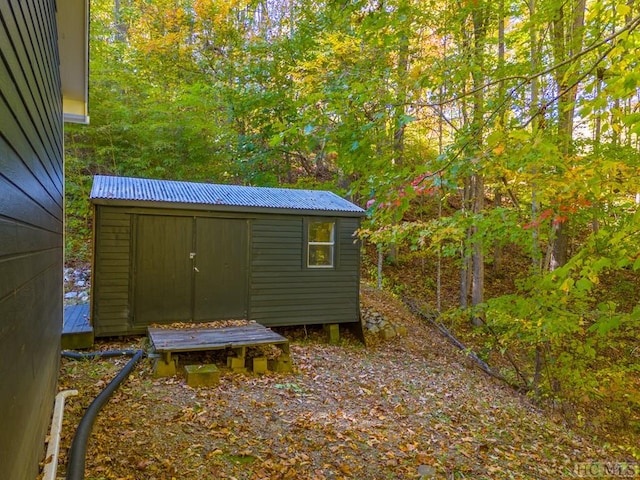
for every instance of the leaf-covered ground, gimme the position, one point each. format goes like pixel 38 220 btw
pixel 409 407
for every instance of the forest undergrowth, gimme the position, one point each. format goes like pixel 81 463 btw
pixel 611 416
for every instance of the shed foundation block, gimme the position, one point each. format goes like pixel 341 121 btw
pixel 333 333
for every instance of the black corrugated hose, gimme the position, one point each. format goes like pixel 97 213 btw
pixel 92 355
pixel 78 450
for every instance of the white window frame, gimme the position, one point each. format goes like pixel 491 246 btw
pixel 331 243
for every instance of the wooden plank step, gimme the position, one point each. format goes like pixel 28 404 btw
pixel 76 319
pixel 77 332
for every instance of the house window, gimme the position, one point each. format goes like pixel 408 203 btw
pixel 321 244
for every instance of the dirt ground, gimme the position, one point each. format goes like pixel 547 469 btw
pixel 406 407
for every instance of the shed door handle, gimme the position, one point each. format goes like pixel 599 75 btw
pixel 192 255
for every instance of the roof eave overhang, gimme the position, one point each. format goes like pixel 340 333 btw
pixel 208 207
pixel 73 44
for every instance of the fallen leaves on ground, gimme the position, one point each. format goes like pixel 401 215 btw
pixel 217 324
pixel 411 407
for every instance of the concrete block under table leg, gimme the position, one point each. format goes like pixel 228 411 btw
pixel 202 375
pixel 260 364
pixel 164 366
pixel 237 363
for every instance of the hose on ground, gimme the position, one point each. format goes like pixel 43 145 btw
pixel 78 450
pixel 92 355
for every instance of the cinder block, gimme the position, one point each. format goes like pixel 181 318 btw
pixel 161 368
pixel 236 364
pixel 260 365
pixel 202 375
pixel 282 364
pixel 333 333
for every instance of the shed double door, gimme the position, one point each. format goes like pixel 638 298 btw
pixel 189 269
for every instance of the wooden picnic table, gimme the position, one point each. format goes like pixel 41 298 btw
pixel 167 341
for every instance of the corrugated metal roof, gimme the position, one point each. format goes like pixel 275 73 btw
pixel 170 191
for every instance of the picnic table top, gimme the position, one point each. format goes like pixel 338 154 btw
pixel 211 338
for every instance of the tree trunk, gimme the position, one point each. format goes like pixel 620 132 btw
pixel 440 150
pixel 477 287
pixel 465 268
pixel 535 114
pixel 497 249
pixel 497 199
pixel 401 100
pixel 480 17
pixel 400 108
pixel 560 250
pixel 121 26
pixel 568 34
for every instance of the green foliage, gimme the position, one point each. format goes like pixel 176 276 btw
pixel 78 219
pixel 563 313
pixel 399 105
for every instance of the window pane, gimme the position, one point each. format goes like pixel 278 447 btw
pixel 321 255
pixel 321 232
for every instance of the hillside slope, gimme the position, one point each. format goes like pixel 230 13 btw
pixel 407 407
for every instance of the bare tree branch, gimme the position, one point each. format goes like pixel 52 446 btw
pixel 630 26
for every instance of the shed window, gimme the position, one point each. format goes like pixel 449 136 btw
pixel 321 244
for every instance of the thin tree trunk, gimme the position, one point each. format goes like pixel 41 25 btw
pixel 439 264
pixel 537 376
pixel 380 259
pixel 560 250
pixel 465 268
pixel 497 249
pixel 497 199
pixel 477 287
pixel 401 99
pixel 440 150
pixel 400 109
pixel 477 181
pixel 568 33
pixel 535 94
pixel 597 127
pixel 121 26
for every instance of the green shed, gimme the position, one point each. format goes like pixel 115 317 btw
pixel 169 251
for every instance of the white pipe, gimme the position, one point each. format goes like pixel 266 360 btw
pixel 53 448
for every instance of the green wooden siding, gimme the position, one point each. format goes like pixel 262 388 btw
pixel 252 267
pixel 31 225
pixel 283 291
pixel 111 271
